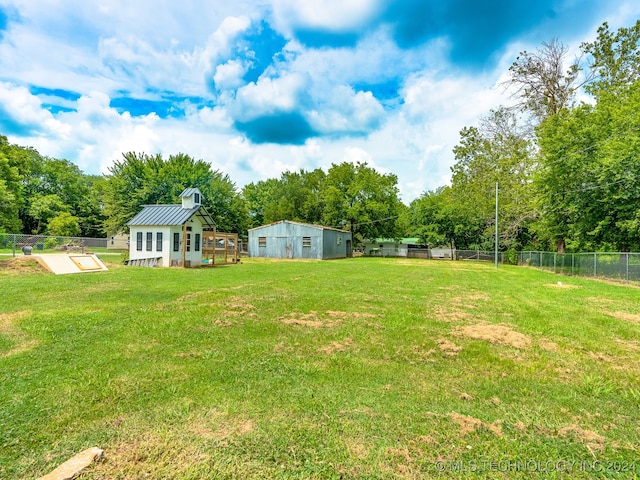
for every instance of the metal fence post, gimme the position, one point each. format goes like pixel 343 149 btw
pixel 14 244
pixel 573 261
pixel 595 264
pixel 554 261
pixel 627 273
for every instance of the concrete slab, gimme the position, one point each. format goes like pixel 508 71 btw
pixel 61 264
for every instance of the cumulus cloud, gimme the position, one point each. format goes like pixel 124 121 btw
pixel 258 89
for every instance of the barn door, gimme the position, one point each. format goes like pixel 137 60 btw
pixel 285 247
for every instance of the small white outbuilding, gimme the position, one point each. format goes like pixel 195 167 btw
pixel 170 235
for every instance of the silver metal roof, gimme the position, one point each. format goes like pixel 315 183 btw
pixel 321 227
pixel 188 192
pixel 170 215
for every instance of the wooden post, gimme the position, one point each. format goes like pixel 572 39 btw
pixel 213 257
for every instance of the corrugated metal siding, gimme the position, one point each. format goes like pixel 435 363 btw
pixel 331 247
pixel 285 240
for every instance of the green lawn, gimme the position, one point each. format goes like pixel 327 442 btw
pixel 358 368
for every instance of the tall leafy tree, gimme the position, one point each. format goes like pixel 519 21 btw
pixel 357 197
pixel 500 152
pixel 588 182
pixel 10 196
pixel 615 59
pixel 139 179
pixel 438 219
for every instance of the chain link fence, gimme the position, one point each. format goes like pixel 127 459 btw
pixel 614 265
pixel 18 243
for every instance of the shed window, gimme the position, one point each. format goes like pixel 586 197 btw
pixel 339 239
pixel 306 241
pixel 196 247
pixel 158 241
pixel 176 242
pixel 149 241
pixel 188 242
pixel 262 241
pixel 139 241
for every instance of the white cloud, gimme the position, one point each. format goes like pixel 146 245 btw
pixel 346 111
pixel 333 15
pixel 228 76
pixel 269 96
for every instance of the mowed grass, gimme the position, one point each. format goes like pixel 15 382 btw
pixel 359 368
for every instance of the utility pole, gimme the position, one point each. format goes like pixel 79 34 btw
pixel 496 246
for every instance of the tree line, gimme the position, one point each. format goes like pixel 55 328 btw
pixel 567 172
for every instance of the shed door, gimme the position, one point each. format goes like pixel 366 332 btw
pixel 284 247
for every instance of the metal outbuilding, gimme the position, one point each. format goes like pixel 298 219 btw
pixel 287 239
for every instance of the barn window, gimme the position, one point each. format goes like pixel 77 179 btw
pixel 158 241
pixel 339 239
pixel 196 197
pixel 139 241
pixel 262 241
pixel 149 241
pixel 196 247
pixel 188 242
pixel 176 242
pixel 306 241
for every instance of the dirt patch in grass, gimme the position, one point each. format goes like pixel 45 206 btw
pixel 347 315
pixel 311 320
pixel 447 347
pixel 493 333
pixel 449 315
pixel 628 344
pixel 21 265
pixel 561 284
pixel 592 440
pixel 151 455
pixel 469 424
pixel 335 347
pixel 238 303
pixel 9 330
pixel 547 345
pixel 626 316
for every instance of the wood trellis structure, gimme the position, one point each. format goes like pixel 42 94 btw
pixel 220 248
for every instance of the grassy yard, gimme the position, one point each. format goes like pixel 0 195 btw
pixel 359 368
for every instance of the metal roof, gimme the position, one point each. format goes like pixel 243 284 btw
pixel 170 215
pixel 322 227
pixel 188 192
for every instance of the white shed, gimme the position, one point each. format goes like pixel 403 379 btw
pixel 170 235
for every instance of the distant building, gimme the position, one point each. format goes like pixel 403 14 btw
pixel 391 247
pixel 118 241
pixel 170 235
pixel 286 239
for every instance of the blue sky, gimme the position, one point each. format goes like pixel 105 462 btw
pixel 260 87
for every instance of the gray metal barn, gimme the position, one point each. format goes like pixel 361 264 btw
pixel 286 239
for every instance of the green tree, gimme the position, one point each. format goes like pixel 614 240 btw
pixel 139 179
pixel 44 207
pixel 357 197
pixel 257 197
pixel 615 59
pixel 438 219
pixel 588 184
pixel 10 196
pixel 64 225
pixel 497 152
